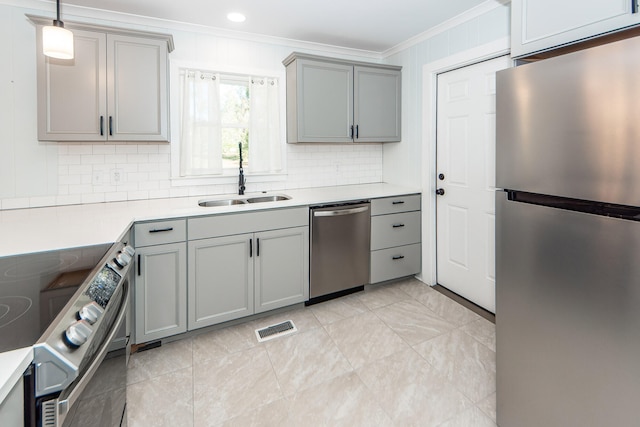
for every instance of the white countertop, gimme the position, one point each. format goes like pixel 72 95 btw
pixel 12 364
pixel 44 229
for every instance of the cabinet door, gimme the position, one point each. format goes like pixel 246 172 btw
pixel 377 104
pixel 137 73
pixel 324 110
pixel 72 93
pixel 160 292
pixel 538 25
pixel 282 268
pixel 220 279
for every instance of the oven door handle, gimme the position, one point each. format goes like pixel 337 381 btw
pixel 70 396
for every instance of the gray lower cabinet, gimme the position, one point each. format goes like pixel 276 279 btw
pixel 235 276
pixel 395 237
pixel 160 292
pixel 220 279
pixel 246 263
pixel 281 268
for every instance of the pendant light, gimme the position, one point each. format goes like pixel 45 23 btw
pixel 57 41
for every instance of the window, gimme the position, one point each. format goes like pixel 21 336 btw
pixel 234 123
pixel 222 114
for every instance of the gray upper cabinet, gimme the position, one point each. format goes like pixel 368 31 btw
pixel 335 101
pixel 539 25
pixel 115 89
pixel 376 111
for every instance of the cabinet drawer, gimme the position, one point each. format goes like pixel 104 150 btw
pixel 160 232
pixel 387 264
pixel 390 205
pixel 395 230
pixel 250 222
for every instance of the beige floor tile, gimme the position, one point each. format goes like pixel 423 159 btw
pixel 224 341
pixel 364 338
pixel 468 364
pixel 342 401
pixel 488 406
pixel 412 391
pixel 305 359
pixel 482 330
pixel 159 361
pixel 274 414
pixel 338 309
pixel 163 401
pixel 376 296
pixel 446 308
pixel 412 321
pixel 413 287
pixel 470 418
pixel 229 386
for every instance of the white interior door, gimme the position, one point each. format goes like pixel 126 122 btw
pixel 465 211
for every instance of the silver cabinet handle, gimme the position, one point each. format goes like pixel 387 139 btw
pixel 339 212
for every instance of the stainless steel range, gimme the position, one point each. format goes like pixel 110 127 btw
pixel 71 306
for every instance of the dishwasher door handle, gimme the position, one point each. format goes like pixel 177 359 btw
pixel 339 212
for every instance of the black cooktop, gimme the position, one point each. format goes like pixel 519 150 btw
pixel 35 287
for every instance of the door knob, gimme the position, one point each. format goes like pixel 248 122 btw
pixel 441 177
pixel 440 191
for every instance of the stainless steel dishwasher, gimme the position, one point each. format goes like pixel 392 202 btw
pixel 340 250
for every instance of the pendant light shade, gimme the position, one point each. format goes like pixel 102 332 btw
pixel 57 41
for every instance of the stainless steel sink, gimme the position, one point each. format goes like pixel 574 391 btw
pixel 225 202
pixel 260 199
pixel 230 202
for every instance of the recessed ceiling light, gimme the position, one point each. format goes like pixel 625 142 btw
pixel 236 17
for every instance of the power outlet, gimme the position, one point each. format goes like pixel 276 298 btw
pixel 117 176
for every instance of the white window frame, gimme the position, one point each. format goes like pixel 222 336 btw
pixel 225 70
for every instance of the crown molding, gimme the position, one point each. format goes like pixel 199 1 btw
pixel 470 14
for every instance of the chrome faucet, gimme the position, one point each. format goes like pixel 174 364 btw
pixel 241 180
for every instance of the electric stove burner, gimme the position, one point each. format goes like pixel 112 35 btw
pixel 12 308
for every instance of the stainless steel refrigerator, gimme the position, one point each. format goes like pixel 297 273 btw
pixel 568 240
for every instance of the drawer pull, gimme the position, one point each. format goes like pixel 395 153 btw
pixel 398 225
pixel 139 265
pixel 397 202
pixel 396 257
pixel 161 230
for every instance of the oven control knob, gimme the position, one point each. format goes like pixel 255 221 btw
pixel 91 312
pixel 129 250
pixel 122 260
pixel 77 333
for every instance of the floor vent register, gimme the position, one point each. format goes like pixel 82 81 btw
pixel 275 331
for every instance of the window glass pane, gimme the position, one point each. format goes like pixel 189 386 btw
pixel 230 139
pixel 234 103
pixel 234 106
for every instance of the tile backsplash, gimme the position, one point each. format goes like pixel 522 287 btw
pixel 95 173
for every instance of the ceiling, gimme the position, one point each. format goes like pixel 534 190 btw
pixel 358 24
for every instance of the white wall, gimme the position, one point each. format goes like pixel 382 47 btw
pixel 490 22
pixel 34 173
